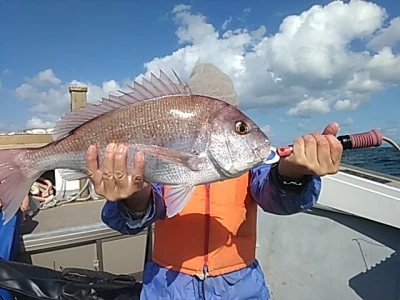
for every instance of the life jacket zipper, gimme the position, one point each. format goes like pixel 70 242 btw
pixel 207 230
pixel 203 283
pixel 206 240
pixel 204 275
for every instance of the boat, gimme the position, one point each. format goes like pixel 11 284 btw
pixel 345 247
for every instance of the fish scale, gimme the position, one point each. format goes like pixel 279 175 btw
pixel 186 140
pixel 156 125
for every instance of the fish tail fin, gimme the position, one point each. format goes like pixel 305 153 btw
pixel 16 179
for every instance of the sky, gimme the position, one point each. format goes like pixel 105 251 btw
pixel 295 65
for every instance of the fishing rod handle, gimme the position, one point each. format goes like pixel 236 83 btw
pixel 368 139
pixel 372 138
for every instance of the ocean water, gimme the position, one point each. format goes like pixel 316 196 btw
pixel 383 159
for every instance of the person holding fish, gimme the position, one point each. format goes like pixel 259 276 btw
pixel 205 234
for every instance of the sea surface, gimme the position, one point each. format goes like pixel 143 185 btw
pixel 383 159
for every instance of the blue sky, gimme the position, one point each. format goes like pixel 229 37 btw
pixel 97 42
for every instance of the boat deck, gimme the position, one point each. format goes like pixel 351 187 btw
pixel 356 214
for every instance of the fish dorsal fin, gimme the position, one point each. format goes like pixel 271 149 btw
pixel 148 89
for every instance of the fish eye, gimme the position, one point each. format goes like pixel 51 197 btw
pixel 241 127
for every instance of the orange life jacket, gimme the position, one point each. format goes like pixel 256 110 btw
pixel 217 229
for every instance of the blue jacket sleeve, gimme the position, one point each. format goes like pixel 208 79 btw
pixel 274 197
pixel 115 216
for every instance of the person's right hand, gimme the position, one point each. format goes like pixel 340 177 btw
pixel 113 181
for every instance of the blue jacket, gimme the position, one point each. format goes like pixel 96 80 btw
pixel 9 237
pixel 248 283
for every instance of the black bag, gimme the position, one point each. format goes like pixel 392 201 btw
pixel 25 281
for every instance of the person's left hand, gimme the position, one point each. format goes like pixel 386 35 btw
pixel 313 154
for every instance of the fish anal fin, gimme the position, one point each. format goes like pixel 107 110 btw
pixel 149 89
pixel 176 198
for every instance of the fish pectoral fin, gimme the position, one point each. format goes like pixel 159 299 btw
pixel 176 198
pixel 189 160
pixel 71 175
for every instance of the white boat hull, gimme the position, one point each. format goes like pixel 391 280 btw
pixel 327 254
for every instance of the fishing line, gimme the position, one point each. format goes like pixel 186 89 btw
pixel 391 142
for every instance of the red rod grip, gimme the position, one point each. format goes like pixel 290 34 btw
pixel 368 139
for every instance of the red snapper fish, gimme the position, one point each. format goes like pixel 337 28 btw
pixel 186 139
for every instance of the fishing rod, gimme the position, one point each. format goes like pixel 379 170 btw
pixel 372 138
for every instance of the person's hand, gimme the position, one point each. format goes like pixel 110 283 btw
pixel 313 154
pixel 47 192
pixel 114 182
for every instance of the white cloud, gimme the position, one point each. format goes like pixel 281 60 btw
pixel 194 28
pixel 247 10
pixel 361 82
pixel 303 123
pixel 386 37
pixel 309 107
pixel 226 23
pixel 385 66
pixel 268 130
pixel 46 77
pixel 50 103
pixel 35 122
pixel 311 54
pixel 347 122
pixel 346 104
